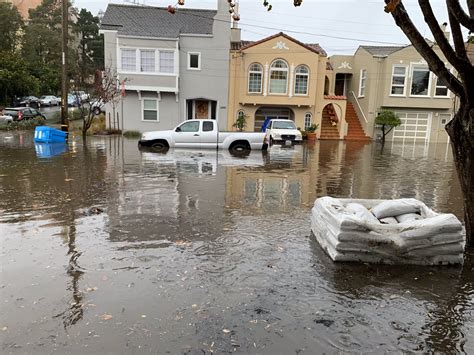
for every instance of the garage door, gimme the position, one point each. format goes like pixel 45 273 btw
pixel 415 127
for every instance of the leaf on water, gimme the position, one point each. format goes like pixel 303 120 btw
pixel 4 329
pixel 254 321
pixel 68 179
pixel 226 331
pixel 106 317
pixel 143 315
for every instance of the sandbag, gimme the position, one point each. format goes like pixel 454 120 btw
pixel 394 208
pixel 347 231
pixel 361 213
pixel 408 217
pixel 388 220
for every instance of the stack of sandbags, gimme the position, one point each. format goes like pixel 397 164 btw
pixel 403 231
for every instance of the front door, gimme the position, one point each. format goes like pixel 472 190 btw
pixel 188 135
pixel 202 109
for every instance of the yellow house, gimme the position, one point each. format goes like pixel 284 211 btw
pixel 281 77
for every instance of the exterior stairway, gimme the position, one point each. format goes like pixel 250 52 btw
pixel 328 131
pixel 355 131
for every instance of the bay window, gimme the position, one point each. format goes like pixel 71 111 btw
pixel 278 77
pixel 398 80
pixel 255 79
pixel 129 58
pixel 301 80
pixel 362 82
pixel 420 81
pixel 147 60
pixel 441 89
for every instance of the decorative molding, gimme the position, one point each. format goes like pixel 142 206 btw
pixel 345 65
pixel 281 45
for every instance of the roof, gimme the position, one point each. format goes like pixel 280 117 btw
pixel 382 50
pixel 148 21
pixel 313 47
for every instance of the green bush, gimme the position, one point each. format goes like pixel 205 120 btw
pixel 132 134
pixel 312 128
pixel 22 125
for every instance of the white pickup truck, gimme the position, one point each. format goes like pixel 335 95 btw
pixel 202 134
pixel 280 130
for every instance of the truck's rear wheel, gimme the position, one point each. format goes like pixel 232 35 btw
pixel 240 148
pixel 159 147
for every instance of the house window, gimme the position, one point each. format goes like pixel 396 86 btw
pixel 147 60
pixel 129 59
pixel 441 89
pixel 420 81
pixel 194 61
pixel 278 77
pixel 150 110
pixel 166 62
pixel 255 78
pixel 363 80
pixel 398 80
pixel 307 120
pixel 301 80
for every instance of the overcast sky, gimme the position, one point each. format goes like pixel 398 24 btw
pixel 339 26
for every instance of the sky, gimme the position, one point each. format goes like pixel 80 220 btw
pixel 339 26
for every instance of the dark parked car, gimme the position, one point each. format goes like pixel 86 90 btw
pixel 23 113
pixel 30 101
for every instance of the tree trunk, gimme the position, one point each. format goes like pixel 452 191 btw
pixel 462 142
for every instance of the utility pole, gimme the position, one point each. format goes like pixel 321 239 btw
pixel 64 86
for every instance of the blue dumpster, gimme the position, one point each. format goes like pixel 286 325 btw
pixel 45 134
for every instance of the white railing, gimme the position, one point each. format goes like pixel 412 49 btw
pixel 360 108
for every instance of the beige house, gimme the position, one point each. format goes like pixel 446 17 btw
pixel 281 77
pixel 395 78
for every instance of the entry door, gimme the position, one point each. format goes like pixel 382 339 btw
pixel 189 136
pixel 443 119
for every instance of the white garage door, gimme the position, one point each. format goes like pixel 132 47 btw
pixel 415 127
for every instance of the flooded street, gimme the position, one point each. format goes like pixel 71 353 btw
pixel 106 249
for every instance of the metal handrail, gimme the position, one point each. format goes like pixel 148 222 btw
pixel 360 108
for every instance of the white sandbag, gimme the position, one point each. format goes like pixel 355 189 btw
pixel 361 212
pixel 388 220
pixel 408 217
pixel 394 208
pixel 347 233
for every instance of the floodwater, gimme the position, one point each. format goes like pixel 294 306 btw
pixel 106 249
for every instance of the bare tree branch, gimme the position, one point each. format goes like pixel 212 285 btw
pixel 435 64
pixel 438 33
pixel 470 6
pixel 458 39
pixel 460 15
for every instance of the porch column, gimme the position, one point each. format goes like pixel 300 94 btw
pixel 265 80
pixel 292 74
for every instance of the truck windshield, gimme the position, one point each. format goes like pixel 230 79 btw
pixel 283 125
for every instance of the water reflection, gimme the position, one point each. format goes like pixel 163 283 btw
pixel 218 242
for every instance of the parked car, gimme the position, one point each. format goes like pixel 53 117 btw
pixel 97 107
pixel 81 95
pixel 23 113
pixel 281 130
pixel 48 100
pixel 6 118
pixel 203 134
pixel 73 100
pixel 29 101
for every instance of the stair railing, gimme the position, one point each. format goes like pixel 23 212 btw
pixel 360 108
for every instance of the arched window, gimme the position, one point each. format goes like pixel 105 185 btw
pixel 255 78
pixel 307 120
pixel 278 77
pixel 326 86
pixel 301 80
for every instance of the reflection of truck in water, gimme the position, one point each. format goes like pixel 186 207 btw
pixel 204 161
pixel 202 134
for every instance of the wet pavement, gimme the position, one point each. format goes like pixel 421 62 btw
pixel 106 249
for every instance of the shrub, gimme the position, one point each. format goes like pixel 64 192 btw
pixel 132 134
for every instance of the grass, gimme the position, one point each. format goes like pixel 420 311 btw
pixel 132 134
pixel 22 125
